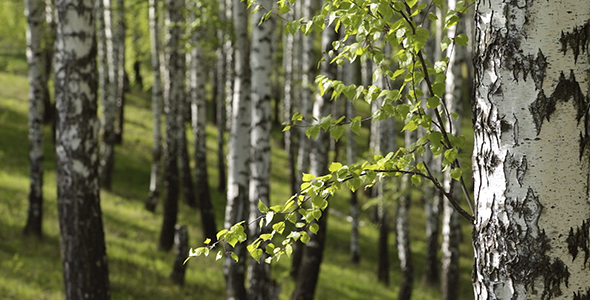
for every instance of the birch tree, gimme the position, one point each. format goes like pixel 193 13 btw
pixel 175 63
pixel 259 278
pixel 84 259
pixel 34 12
pixel 196 80
pixel 119 39
pixel 312 257
pixel 530 157
pixel 238 157
pixel 107 146
pixel 157 98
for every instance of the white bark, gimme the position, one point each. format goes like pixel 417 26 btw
pixel 34 12
pixel 238 157
pixel 260 64
pixel 78 196
pixel 530 157
pixel 156 169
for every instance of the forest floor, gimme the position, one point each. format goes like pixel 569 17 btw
pixel 31 268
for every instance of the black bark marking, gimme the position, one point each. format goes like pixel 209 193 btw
pixel 541 108
pixel 578 239
pixel 529 260
pixel 566 88
pixel 576 40
pixel 511 163
pixel 581 296
pixel 536 66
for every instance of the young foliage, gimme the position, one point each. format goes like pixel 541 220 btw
pixel 368 26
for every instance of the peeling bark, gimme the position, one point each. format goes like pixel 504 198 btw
pixel 530 157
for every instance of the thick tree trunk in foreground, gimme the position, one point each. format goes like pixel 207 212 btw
pixel 530 155
pixel 238 157
pixel 156 170
pixel 34 12
pixel 259 279
pixel 175 63
pixel 78 199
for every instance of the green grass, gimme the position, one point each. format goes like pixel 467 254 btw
pixel 31 268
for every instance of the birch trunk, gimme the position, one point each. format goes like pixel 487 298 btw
pixel 221 113
pixel 199 120
pixel 156 170
pixel 308 71
pixel 120 74
pixel 82 241
pixel 530 158
pixel 259 279
pixel 451 226
pixel 107 146
pixel 312 257
pixel 34 12
pixel 289 61
pixel 402 232
pixel 175 62
pixel 238 158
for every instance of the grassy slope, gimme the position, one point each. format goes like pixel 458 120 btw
pixel 31 269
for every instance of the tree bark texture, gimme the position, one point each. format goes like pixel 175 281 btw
pixel 157 98
pixel 199 120
pixel 107 146
pixel 175 62
pixel 35 14
pixel 308 71
pixel 402 233
pixel 83 251
pixel 259 277
pixel 221 113
pixel 530 158
pixel 182 252
pixel 238 158
pixel 311 261
pixel 119 37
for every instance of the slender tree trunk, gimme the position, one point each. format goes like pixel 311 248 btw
pixel 259 278
pixel 350 72
pixel 83 249
pixel 222 75
pixel 49 40
pixel 311 260
pixel 238 158
pixel 107 146
pixel 402 232
pixel 120 74
pixel 199 120
pixel 156 170
pixel 175 62
pixel 34 12
pixel 530 154
pixel 451 228
pixel 308 67
pixel 289 60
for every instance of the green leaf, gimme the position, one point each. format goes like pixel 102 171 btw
pixel 304 237
pixel 288 250
pixel 456 173
pixel 416 179
pixel 325 122
pixel 337 132
pixel 355 125
pixel 262 207
pixel 433 102
pixel 314 227
pixel 279 227
pixel 219 255
pixel 312 131
pixel 462 40
pixel 207 241
pixel 335 166
pixel 307 177
pixel 444 44
pixel 411 126
pixel 432 16
pixel 235 257
pixel 256 254
pixel 221 233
